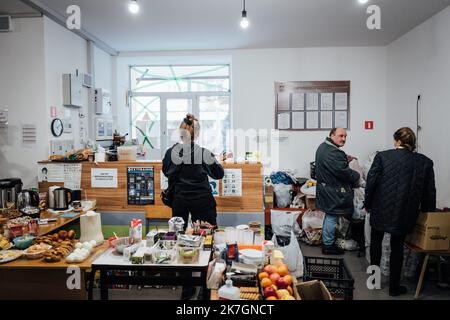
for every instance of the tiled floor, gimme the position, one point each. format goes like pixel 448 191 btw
pixel 357 268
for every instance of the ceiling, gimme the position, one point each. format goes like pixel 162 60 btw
pixel 15 8
pixel 214 24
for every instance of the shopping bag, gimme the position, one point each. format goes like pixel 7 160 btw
pixel 293 256
pixel 283 222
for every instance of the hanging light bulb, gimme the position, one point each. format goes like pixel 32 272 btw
pixel 244 21
pixel 133 6
pixel 363 1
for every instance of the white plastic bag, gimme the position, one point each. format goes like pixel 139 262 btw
pixel 359 213
pixel 312 223
pixel 293 256
pixel 313 219
pixel 282 194
pixel 283 222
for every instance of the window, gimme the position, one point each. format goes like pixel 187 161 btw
pixel 160 97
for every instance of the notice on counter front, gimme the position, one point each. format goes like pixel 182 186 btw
pixel 103 178
pixel 232 183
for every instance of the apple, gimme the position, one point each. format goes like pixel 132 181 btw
pixel 281 283
pixel 287 297
pixel 291 291
pixel 281 293
pixel 270 292
pixel 270 269
pixel 274 277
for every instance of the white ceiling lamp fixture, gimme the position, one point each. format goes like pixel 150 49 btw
pixel 363 1
pixel 244 21
pixel 133 7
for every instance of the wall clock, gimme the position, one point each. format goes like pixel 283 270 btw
pixel 57 127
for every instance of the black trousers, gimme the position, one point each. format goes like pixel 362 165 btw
pixel 200 209
pixel 396 257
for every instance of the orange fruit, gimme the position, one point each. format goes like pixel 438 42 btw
pixel 263 275
pixel 272 298
pixel 265 282
pixel 288 278
pixel 283 270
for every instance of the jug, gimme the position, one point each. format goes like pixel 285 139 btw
pixel 62 197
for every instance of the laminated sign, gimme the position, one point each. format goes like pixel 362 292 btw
pixel 103 178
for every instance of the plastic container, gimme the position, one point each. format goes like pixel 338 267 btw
pixel 188 255
pixel 23 242
pixel 165 245
pixel 127 153
pixel 334 274
pixel 185 240
pixel 227 291
pixel 159 256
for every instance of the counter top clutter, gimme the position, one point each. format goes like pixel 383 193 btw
pixel 73 155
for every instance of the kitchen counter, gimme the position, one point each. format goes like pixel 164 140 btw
pixel 36 279
pixel 55 225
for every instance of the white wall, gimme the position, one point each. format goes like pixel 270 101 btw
pixel 22 92
pixel 65 52
pixel 253 75
pixel 419 63
pixel 32 60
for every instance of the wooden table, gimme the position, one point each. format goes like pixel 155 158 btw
pixel 36 279
pixel 52 226
pixel 427 253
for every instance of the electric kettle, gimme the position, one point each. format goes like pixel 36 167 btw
pixel 28 203
pixel 62 197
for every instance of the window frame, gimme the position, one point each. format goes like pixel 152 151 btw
pixel 164 96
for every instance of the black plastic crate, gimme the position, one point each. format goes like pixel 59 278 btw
pixel 334 274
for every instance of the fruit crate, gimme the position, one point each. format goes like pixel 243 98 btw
pixel 334 274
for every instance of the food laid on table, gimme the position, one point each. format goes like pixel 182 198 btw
pixel 4 243
pixel 23 242
pixel 73 155
pixel 10 255
pixel 276 283
pixel 82 251
pixel 36 251
pixel 62 244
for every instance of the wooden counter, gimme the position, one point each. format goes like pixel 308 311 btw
pixel 115 199
pixel 54 225
pixel 36 279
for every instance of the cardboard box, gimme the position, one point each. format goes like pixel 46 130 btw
pixel 312 290
pixel 432 231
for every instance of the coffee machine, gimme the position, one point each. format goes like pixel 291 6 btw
pixel 118 141
pixel 9 189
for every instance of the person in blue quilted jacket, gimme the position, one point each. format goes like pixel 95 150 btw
pixel 400 184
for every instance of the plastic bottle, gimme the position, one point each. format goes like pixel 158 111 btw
pixel 227 291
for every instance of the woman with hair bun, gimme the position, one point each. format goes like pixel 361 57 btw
pixel 187 165
pixel 400 184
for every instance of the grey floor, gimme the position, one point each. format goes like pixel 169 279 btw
pixel 357 266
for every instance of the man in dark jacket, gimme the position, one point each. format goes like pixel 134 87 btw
pixel 335 183
pixel 400 184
